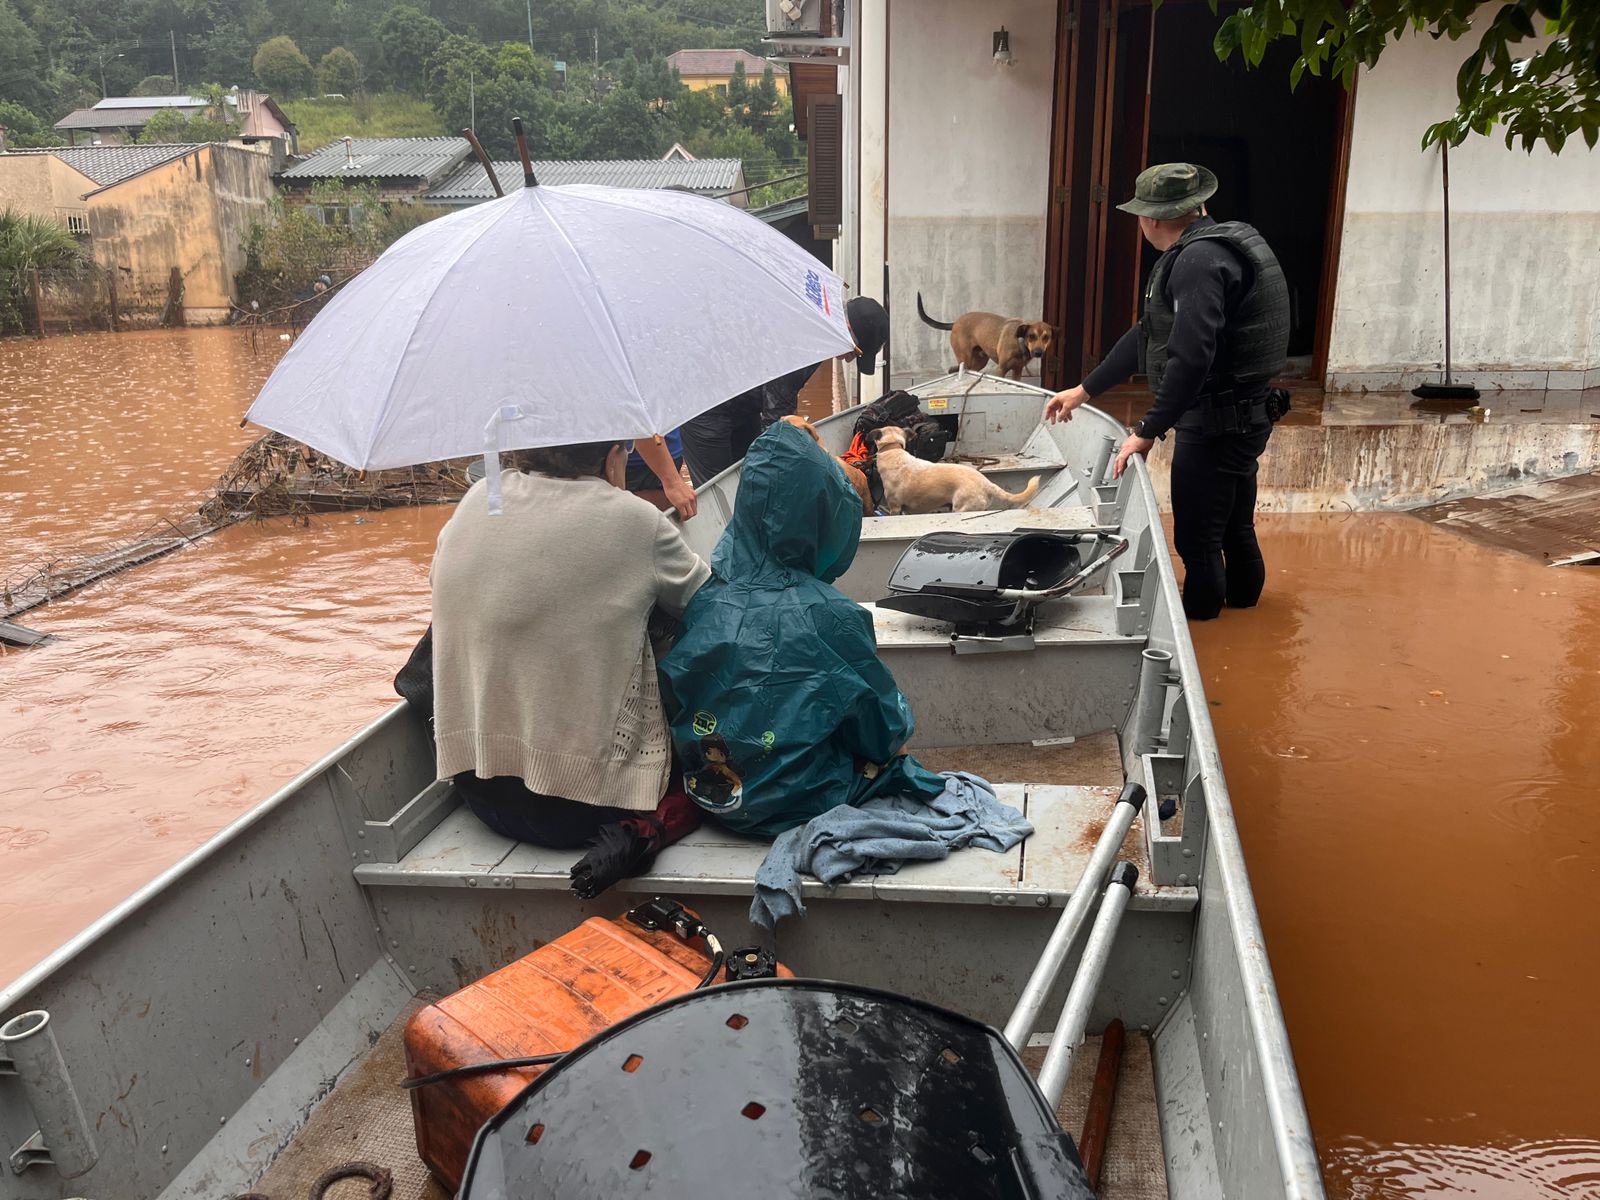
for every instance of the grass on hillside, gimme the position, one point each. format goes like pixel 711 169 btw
pixel 376 114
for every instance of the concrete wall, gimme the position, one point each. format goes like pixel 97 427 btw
pixel 43 186
pixel 1525 231
pixel 1387 468
pixel 192 214
pixel 968 168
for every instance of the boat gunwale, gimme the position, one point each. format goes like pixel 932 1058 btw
pixel 1280 1082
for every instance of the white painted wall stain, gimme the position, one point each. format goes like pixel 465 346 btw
pixel 1525 239
pixel 969 168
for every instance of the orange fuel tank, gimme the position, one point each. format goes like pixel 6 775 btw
pixel 547 1002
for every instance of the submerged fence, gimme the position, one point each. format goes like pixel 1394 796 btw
pixel 272 477
pixel 58 300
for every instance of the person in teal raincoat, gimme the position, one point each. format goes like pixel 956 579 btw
pixel 779 706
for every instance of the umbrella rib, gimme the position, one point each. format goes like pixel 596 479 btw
pixel 394 370
pixel 622 348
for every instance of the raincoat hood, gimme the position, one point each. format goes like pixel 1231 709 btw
pixel 795 511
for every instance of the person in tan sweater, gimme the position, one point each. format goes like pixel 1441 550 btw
pixel 546 710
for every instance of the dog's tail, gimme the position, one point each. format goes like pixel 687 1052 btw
pixel 1018 499
pixel 926 319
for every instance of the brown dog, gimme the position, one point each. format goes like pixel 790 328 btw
pixel 853 474
pixel 979 338
pixel 911 485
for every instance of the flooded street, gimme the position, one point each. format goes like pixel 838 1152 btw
pixel 1407 724
pixel 181 692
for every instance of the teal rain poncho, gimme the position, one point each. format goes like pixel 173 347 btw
pixel 779 706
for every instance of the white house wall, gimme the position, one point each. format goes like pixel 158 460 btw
pixel 1525 244
pixel 969 160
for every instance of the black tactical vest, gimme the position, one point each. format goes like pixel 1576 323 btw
pixel 1254 345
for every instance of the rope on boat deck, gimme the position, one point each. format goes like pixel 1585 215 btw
pixel 381 1177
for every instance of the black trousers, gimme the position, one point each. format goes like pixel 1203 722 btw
pixel 506 806
pixel 715 440
pixel 1213 520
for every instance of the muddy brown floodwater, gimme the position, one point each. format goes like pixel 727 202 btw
pixel 1408 725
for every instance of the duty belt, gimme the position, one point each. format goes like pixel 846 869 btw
pixel 1221 412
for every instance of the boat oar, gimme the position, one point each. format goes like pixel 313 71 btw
pixel 1072 919
pixel 1086 983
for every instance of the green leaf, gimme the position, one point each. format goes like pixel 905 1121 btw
pixel 1555 137
pixel 1296 73
pixel 1227 39
pixel 1591 134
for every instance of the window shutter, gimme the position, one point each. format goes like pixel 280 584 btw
pixel 825 166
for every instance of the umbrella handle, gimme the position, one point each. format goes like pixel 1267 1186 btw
pixel 503 415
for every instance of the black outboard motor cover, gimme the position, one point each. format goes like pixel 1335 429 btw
pixel 958 577
pixel 781 1087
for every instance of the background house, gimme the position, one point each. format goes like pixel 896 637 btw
pixel 700 70
pixel 149 211
pixel 441 171
pixel 402 168
pixel 717 177
pixel 121 119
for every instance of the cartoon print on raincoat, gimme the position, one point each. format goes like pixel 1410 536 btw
pixel 780 666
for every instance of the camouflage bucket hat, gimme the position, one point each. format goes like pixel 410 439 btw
pixel 1169 190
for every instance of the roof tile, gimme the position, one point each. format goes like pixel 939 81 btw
pixel 107 165
pixel 381 158
pixel 707 175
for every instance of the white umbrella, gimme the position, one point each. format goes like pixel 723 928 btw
pixel 550 316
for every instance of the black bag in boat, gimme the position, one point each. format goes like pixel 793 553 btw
pixel 927 440
pixel 897 408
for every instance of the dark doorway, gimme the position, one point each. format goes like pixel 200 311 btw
pixel 1274 151
pixel 1143 87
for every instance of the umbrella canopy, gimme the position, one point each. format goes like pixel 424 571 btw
pixel 550 316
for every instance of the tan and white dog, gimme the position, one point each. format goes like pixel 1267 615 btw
pixel 912 485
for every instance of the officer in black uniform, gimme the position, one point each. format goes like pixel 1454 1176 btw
pixel 1214 332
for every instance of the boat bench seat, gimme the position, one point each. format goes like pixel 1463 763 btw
pixel 460 852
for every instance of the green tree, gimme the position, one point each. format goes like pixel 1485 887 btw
pixel 22 64
pixel 1539 94
pixel 30 243
pixel 339 71
pixel 24 129
pixel 170 126
pixel 155 85
pixel 628 127
pixel 282 68
pixel 408 38
pixel 214 123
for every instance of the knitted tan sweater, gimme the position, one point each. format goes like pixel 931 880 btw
pixel 541 665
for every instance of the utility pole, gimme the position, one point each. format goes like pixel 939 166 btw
pixel 530 24
pixel 100 56
pixel 472 100
pixel 596 33
pixel 172 38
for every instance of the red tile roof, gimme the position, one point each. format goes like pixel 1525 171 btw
pixel 693 63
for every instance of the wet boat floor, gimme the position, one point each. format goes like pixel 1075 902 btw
pixel 367 1118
